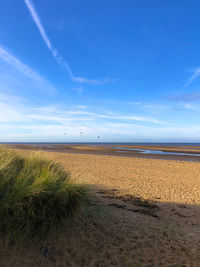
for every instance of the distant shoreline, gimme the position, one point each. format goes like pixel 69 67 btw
pixel 109 143
pixel 179 152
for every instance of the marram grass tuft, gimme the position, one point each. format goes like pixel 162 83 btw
pixel 36 197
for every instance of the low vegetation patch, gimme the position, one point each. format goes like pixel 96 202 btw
pixel 36 197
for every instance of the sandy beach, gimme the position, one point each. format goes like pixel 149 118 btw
pixel 143 212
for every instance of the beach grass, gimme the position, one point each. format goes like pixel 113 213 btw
pixel 36 197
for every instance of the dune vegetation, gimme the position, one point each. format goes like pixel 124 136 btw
pixel 36 197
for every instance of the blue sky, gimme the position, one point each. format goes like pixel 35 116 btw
pixel 122 70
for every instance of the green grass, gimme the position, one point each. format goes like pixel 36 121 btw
pixel 36 197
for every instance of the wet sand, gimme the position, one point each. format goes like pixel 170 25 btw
pixel 143 212
pixel 118 150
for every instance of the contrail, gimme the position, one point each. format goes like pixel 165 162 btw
pixel 53 50
pixel 24 69
pixel 20 66
pixel 195 75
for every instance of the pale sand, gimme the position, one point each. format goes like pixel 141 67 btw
pixel 119 230
pixel 170 181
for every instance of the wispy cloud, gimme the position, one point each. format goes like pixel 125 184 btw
pixel 17 110
pixel 194 76
pixel 26 123
pixel 78 89
pixel 195 96
pixel 136 103
pixel 24 69
pixel 53 50
pixel 81 106
pixel 130 118
pixel 20 121
pixel 188 106
pixel 155 108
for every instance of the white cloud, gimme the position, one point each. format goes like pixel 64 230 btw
pixel 53 50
